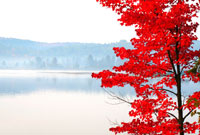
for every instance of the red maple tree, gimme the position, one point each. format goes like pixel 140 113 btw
pixel 162 49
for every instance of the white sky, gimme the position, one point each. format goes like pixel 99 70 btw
pixel 61 21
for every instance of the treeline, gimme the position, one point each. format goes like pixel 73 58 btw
pixel 89 62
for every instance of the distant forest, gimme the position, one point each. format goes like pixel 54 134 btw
pixel 26 54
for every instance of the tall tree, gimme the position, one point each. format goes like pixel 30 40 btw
pixel 162 49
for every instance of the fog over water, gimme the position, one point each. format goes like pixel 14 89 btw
pixel 55 103
pixel 51 102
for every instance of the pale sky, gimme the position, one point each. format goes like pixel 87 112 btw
pixel 61 21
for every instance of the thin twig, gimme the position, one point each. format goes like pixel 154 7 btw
pixel 116 97
pixel 163 89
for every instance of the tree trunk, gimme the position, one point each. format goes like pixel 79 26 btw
pixel 179 95
pixel 180 110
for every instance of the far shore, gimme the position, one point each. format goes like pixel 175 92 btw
pixel 16 71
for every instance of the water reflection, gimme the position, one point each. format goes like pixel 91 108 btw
pixel 15 82
pixel 58 113
pixel 27 82
pixel 43 103
pixel 60 103
pixel 45 81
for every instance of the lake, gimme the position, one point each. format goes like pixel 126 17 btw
pixel 59 103
pixel 55 103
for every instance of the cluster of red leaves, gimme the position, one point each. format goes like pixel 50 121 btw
pixel 191 128
pixel 165 33
pixel 194 101
pixel 193 104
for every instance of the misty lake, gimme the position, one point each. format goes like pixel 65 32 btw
pixel 59 103
pixel 55 103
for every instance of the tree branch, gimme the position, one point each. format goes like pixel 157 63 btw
pixel 166 70
pixel 165 90
pixel 116 97
pixel 169 91
pixel 187 114
pixel 173 115
pixel 172 63
pixel 183 68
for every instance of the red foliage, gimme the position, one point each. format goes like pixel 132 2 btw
pixel 194 101
pixel 162 50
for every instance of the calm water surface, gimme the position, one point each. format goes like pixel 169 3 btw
pixel 59 103
pixel 55 103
